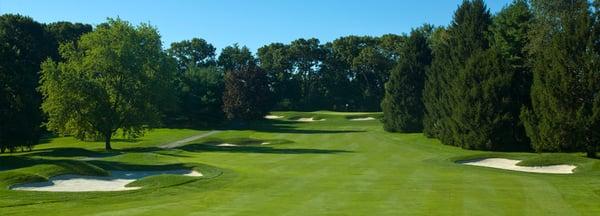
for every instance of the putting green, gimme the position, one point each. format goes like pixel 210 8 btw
pixel 332 167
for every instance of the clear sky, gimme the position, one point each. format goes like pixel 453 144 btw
pixel 251 23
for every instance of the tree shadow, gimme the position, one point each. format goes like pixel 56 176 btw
pixel 279 126
pixel 70 152
pixel 210 147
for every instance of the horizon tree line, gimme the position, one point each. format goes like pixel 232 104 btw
pixel 524 78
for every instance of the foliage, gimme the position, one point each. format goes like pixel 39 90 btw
pixel 114 78
pixel 23 46
pixel 246 95
pixel 452 48
pixel 565 112
pixel 403 105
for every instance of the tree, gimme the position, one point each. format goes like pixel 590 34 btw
pixel 452 48
pixel 236 58
pixel 202 93
pixel 192 53
pixel 23 46
pixel 64 32
pixel 565 114
pixel 402 105
pixel 487 109
pixel 246 95
pixel 199 83
pixel 113 78
pixel 307 57
pixel 276 60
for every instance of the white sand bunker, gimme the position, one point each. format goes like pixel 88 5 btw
pixel 265 143
pixel 227 145
pixel 363 119
pixel 311 119
pixel 115 182
pixel 508 164
pixel 273 117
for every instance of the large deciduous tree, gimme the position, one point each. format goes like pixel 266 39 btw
pixel 199 83
pixel 246 94
pixel 565 112
pixel 114 78
pixel 23 46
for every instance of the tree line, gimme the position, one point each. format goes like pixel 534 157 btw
pixel 525 78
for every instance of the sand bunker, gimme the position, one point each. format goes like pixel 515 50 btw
pixel 311 119
pixel 363 119
pixel 115 182
pixel 227 145
pixel 265 143
pixel 273 117
pixel 508 164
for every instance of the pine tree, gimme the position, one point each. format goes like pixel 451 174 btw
pixel 486 111
pixel 566 82
pixel 402 105
pixel 466 35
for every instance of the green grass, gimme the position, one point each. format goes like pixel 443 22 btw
pixel 331 167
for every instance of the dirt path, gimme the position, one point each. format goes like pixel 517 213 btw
pixel 182 142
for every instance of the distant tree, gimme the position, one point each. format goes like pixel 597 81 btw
pixel 371 71
pixel 565 113
pixel 199 84
pixel 202 93
pixel 235 58
pixel 307 57
pixel 276 60
pixel 114 78
pixel 65 32
pixel 452 48
pixel 246 95
pixel 23 46
pixel 192 53
pixel 402 105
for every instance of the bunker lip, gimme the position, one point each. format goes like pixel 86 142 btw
pixel 311 119
pixel 117 181
pixel 273 117
pixel 509 164
pixel 362 119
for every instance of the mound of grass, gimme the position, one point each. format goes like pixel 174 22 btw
pixel 242 141
pixel 45 169
pixel 161 181
pixel 553 159
pixel 356 116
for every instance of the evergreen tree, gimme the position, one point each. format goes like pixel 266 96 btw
pixel 466 35
pixel 486 112
pixel 402 105
pixel 566 81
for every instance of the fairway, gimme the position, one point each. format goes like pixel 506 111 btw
pixel 286 167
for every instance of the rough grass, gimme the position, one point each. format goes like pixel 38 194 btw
pixel 333 167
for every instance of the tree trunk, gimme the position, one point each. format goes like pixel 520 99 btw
pixel 107 142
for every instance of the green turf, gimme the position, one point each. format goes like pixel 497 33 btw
pixel 331 167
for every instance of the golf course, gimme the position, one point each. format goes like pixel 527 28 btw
pixel 286 167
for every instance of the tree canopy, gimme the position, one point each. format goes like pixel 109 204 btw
pixel 114 78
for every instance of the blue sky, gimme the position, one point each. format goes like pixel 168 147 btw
pixel 250 23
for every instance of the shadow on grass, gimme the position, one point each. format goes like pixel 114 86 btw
pixel 208 147
pixel 280 126
pixel 70 152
